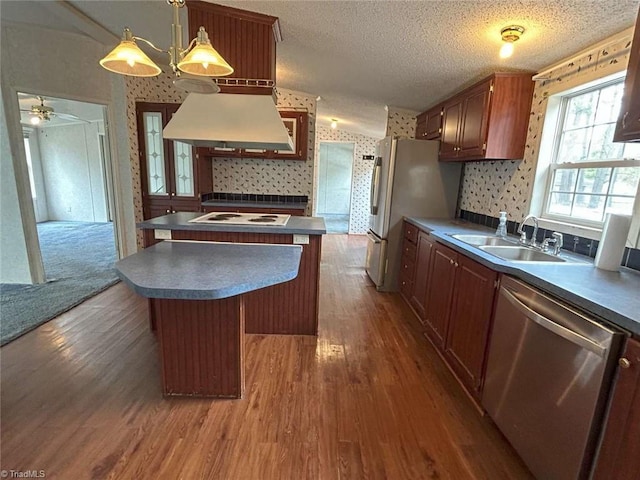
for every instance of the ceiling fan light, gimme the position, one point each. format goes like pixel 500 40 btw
pixel 35 120
pixel 506 50
pixel 204 60
pixel 128 59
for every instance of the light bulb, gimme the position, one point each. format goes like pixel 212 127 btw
pixel 507 50
pixel 334 124
pixel 35 120
pixel 131 62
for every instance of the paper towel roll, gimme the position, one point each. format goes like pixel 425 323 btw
pixel 612 242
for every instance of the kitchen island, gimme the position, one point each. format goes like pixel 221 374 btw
pixel 198 290
pixel 289 308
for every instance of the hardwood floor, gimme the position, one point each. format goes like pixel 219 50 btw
pixel 368 398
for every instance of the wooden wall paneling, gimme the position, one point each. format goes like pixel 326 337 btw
pixel 287 308
pixel 200 345
pixel 246 40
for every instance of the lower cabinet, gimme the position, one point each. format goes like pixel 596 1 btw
pixel 470 320
pixel 619 457
pixel 420 285
pixel 453 297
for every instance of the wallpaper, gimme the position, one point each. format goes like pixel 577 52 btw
pixel 362 169
pixel 401 123
pixel 157 89
pixel 264 176
pixel 489 187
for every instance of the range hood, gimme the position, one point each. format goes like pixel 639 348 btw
pixel 229 121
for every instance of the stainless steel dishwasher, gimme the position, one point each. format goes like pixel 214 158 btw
pixel 547 380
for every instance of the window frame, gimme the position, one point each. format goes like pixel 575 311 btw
pixel 554 165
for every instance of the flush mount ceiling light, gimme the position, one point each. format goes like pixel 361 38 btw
pixel 334 123
pixel 510 35
pixel 201 60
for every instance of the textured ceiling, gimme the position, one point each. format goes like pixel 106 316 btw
pixel 359 56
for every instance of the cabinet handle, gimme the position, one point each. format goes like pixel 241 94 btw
pixel 451 262
pixel 456 264
pixel 168 211
pixel 624 363
pixel 173 194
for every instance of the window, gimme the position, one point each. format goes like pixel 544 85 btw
pixel 589 174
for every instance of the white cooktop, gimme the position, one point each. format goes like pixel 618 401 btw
pixel 233 218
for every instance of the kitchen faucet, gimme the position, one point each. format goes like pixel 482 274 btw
pixel 523 234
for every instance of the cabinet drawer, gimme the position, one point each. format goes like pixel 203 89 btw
pixel 408 252
pixel 410 233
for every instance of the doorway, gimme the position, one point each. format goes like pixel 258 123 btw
pixel 335 173
pixel 68 165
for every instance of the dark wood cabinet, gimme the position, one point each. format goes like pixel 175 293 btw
pixel 296 123
pixel 470 321
pixel 408 260
pixel 451 123
pixel 628 125
pixel 489 120
pixel 453 297
pixel 173 175
pixel 429 124
pixel 421 276
pixel 619 453
pixel 440 293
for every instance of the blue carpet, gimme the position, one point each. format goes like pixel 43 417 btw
pixel 78 260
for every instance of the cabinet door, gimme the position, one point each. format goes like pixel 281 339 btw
pixel 421 126
pixel 473 134
pixel 451 120
pixel 440 293
pixel 154 167
pixel 433 129
pixel 470 320
pixel 421 276
pixel 628 126
pixel 618 458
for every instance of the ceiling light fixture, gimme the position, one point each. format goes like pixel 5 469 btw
pixel 334 123
pixel 510 35
pixel 202 60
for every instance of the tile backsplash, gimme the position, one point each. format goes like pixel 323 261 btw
pixel 572 243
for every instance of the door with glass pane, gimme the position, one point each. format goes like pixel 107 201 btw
pixel 169 170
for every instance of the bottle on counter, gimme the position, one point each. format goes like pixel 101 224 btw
pixel 501 231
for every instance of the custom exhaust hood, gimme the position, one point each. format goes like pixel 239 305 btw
pixel 229 121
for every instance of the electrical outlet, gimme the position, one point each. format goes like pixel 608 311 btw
pixel 301 239
pixel 162 234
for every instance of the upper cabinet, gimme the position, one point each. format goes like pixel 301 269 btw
pixel 488 121
pixel 296 123
pixel 429 124
pixel 628 126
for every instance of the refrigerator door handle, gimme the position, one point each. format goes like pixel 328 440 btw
pixel 375 180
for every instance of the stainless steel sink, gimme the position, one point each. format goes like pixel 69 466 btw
pixel 520 254
pixel 479 240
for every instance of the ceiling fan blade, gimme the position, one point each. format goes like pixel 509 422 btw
pixel 68 116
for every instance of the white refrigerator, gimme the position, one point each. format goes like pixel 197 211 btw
pixel 408 180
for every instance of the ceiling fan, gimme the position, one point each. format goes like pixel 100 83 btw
pixel 44 113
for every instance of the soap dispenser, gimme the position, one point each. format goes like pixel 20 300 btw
pixel 501 231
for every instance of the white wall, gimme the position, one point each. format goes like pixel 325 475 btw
pixel 50 71
pixel 73 173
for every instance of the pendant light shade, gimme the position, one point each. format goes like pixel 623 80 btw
pixel 128 59
pixel 204 60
